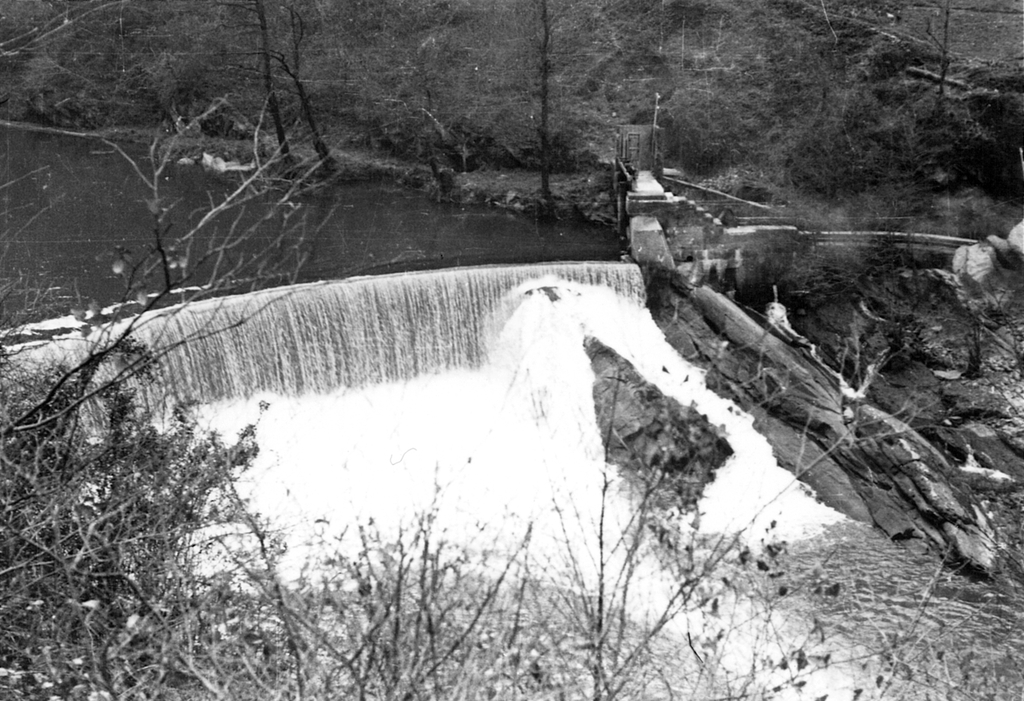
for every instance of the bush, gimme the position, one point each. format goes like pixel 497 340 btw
pixel 99 513
pixel 115 586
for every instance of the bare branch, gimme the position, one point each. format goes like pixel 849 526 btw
pixel 55 26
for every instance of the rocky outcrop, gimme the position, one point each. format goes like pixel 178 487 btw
pixel 653 437
pixel 994 265
pixel 985 445
pixel 860 459
pixel 902 471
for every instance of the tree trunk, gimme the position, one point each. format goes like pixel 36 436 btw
pixel 545 79
pixel 268 78
pixel 298 30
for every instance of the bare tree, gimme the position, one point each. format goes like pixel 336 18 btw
pixel 265 54
pixel 544 94
pixel 941 41
pixel 297 31
pixel 177 269
pixel 56 25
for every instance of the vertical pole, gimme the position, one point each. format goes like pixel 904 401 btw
pixel 654 134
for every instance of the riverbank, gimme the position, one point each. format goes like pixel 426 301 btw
pixel 858 114
pixel 586 195
pixel 948 362
pixel 582 196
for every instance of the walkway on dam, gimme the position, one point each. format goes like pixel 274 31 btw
pixel 674 231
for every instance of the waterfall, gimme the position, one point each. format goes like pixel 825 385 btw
pixel 507 453
pixel 316 337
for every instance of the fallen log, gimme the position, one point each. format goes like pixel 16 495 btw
pixel 924 74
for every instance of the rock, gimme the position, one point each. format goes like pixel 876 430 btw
pixel 889 516
pixel 985 444
pixel 780 422
pixel 1015 240
pixel 651 435
pixel 796 387
pixel 217 164
pixel 976 261
pixel 1006 255
pixel 1014 440
pixel 887 471
pixel 916 479
pixel 1000 245
pixel 813 466
pixel 970 401
pixel 973 545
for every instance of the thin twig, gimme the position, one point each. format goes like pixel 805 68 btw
pixel 835 37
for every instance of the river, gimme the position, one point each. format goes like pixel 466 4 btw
pixel 505 422
pixel 69 207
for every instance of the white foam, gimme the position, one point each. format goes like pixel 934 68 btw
pixel 509 446
pixel 512 448
pixel 751 492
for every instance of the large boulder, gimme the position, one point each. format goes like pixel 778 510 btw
pixel 993 265
pixel 814 467
pixel 1015 240
pixel 653 437
pixel 886 453
pixel 976 262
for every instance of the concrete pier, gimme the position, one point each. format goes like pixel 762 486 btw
pixel 647 243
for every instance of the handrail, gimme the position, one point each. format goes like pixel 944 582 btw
pixel 715 192
pixel 622 167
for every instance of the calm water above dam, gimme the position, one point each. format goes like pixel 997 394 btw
pixel 68 205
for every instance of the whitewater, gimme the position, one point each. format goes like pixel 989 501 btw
pixel 505 457
pixel 463 399
pixel 511 442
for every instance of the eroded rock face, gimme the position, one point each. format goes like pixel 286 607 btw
pixel 985 445
pixel 916 479
pixel 862 460
pixel 650 434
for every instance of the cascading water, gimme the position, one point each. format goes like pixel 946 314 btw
pixel 318 337
pixel 467 394
pixel 470 397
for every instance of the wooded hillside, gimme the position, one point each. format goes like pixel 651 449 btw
pixel 837 100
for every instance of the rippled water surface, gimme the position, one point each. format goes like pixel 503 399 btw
pixel 940 632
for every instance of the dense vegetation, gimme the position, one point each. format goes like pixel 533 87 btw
pixel 780 99
pixel 104 517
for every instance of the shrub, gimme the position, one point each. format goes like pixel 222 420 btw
pixel 99 511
